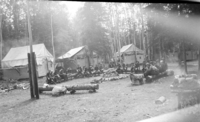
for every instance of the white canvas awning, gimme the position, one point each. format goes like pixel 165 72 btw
pixel 18 56
pixel 71 52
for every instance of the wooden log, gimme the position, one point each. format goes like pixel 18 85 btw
pixel 73 88
pixel 83 87
pixel 41 89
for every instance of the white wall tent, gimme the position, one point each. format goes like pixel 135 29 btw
pixel 128 51
pixel 78 54
pixel 15 62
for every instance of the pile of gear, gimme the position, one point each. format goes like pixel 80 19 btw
pixel 110 75
pixel 187 89
pixel 122 76
pixel 10 84
pixel 111 72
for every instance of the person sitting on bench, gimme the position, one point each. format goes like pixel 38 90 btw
pixel 163 67
pixel 119 71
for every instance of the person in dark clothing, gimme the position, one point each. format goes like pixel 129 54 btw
pixel 126 68
pixel 123 67
pixel 119 71
pixel 49 77
pixel 96 70
pixel 90 69
pixel 80 70
pixel 132 68
pixel 137 66
pixel 86 72
pixel 151 70
pixel 63 73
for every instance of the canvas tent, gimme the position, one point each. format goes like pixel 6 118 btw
pixel 128 53
pixel 73 52
pixel 15 62
pixel 77 56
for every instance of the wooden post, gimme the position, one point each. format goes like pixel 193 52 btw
pixel 30 77
pixel 35 76
pixel 31 50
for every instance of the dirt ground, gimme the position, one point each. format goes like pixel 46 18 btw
pixel 115 101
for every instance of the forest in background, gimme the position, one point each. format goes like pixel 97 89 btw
pixel 104 27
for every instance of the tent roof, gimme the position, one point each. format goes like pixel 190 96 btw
pixel 127 49
pixel 71 52
pixel 19 55
pixel 130 48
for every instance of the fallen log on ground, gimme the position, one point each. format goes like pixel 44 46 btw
pixel 90 87
pixel 72 89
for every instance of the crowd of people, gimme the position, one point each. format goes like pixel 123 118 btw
pixel 155 67
pixel 147 67
pixel 61 74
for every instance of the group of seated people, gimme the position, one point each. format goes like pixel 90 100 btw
pixel 155 67
pixel 62 74
pixel 88 72
pixel 124 68
pixel 149 67
pixel 58 76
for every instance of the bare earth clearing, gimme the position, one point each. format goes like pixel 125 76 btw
pixel 115 101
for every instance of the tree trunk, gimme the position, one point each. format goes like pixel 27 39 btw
pixel 184 56
pixel 199 58
pixel 153 52
pixel 134 40
pixel 160 48
pixel 141 41
pixel 1 38
pixel 147 45
pixel 16 19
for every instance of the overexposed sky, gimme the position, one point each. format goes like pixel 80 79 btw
pixel 73 6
